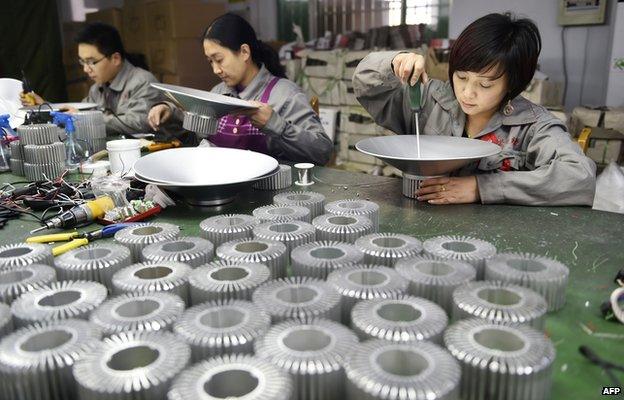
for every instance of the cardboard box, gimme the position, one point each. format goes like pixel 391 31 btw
pixel 351 60
pixel 293 69
pixel 183 57
pixel 327 90
pixel 204 81
pixel 614 119
pixel 174 19
pixel 329 120
pixel 348 152
pixel 135 23
pixel 70 47
pixel 605 145
pixel 110 16
pixel 356 120
pixel 78 91
pixel 347 96
pixel 322 64
pixel 544 92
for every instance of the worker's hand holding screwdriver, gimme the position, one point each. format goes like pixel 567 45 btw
pixel 409 67
pixel 159 114
pixel 31 99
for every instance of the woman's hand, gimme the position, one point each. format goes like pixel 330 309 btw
pixel 28 98
pixel 409 67
pixel 260 116
pixel 457 190
pixel 159 114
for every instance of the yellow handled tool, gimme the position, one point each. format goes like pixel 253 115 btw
pixel 53 237
pixel 58 250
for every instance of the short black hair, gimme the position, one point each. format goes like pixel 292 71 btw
pixel 500 41
pixel 103 36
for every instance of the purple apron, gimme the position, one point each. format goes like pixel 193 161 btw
pixel 237 131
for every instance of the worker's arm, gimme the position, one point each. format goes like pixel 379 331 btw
pixel 558 172
pixel 132 114
pixel 294 131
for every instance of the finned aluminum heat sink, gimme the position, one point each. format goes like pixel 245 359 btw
pixel 223 228
pixel 501 362
pixel 319 259
pixel 20 254
pixel 136 238
pixel 312 353
pixel 315 202
pixel 215 328
pixel 193 251
pixel 58 300
pixel 342 228
pixel 281 180
pixel 387 248
pixel 226 280
pixel 163 276
pixel 463 248
pixel 14 281
pixel 545 275
pixel 291 233
pixel 435 278
pixel 268 252
pixel 38 134
pixel 352 207
pixel 279 213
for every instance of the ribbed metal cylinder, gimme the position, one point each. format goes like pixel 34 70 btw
pixel 223 228
pixel 58 300
pixel 6 320
pixel 202 125
pixel 300 298
pixel 17 150
pixel 268 252
pixel 499 303
pixel 17 166
pixel 378 369
pixel 319 259
pixel 291 233
pixel 501 362
pixel 365 281
pixel 342 228
pixel 15 281
pixel 281 180
pixel 387 248
pixel 20 254
pixel 403 319
pixel 315 202
pixel 193 251
pixel 216 328
pixel 152 311
pixel 232 376
pixel 226 280
pixel 435 278
pixel 411 183
pixel 139 237
pixel 94 262
pixel 89 118
pixel 36 361
pixel 544 275
pixel 37 134
pixel 463 248
pixel 37 172
pixel 353 207
pixel 132 366
pixel 312 353
pixel 45 153
pixel 275 213
pixel 162 276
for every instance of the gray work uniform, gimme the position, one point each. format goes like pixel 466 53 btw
pixel 294 131
pixel 129 96
pixel 539 163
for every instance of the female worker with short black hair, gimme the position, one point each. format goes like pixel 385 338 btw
pixel 284 125
pixel 491 63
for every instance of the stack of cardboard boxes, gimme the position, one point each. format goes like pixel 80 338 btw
pixel 328 76
pixel 167 32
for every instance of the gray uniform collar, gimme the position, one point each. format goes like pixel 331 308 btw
pixel 523 111
pixel 254 89
pixel 119 82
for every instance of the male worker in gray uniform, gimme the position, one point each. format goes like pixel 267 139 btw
pixel 121 89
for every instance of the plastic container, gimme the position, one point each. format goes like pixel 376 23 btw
pixel 122 155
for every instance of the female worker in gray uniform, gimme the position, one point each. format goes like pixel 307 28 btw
pixel 284 125
pixel 491 63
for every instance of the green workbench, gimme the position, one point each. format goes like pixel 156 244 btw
pixel 587 241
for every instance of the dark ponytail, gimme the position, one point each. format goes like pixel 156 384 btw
pixel 232 31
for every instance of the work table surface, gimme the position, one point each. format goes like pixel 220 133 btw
pixel 589 242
